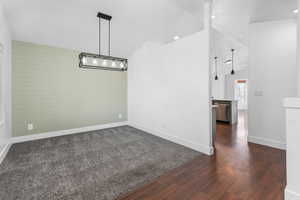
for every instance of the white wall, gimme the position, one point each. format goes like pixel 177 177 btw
pixel 168 91
pixel 218 87
pixel 298 51
pixel 272 77
pixel 5 40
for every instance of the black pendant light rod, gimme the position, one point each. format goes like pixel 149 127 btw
pixel 232 61
pixel 216 66
pixel 108 18
pixel 99 36
pixel 109 38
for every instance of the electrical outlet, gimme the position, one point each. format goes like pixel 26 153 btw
pixel 29 127
pixel 120 116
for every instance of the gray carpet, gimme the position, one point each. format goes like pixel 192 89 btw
pixel 98 165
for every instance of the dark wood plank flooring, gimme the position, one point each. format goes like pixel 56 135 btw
pixel 238 171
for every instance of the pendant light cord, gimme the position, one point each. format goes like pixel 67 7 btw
pixel 108 18
pixel 232 55
pixel 109 38
pixel 99 36
pixel 216 65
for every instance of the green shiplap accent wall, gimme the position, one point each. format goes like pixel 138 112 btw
pixel 50 91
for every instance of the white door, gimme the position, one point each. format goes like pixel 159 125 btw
pixel 241 94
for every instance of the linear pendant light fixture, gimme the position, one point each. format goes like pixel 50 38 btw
pixel 99 61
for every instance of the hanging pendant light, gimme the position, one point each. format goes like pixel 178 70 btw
pixel 99 61
pixel 216 68
pixel 232 62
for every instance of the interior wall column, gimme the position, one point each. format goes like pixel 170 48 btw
pixel 298 50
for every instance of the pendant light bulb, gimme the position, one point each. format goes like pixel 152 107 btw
pixel 95 62
pixel 84 60
pixel 232 72
pixel 216 78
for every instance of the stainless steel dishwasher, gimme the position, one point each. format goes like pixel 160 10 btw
pixel 226 111
pixel 223 112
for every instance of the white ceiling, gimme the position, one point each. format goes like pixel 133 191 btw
pixel 233 16
pixel 231 24
pixel 266 10
pixel 73 23
pixel 222 45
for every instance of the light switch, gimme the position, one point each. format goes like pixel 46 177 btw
pixel 258 93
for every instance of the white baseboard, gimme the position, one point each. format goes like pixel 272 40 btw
pixel 290 195
pixel 197 147
pixel 267 142
pixel 4 151
pixel 64 132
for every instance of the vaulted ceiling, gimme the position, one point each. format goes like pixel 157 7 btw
pixel 267 10
pixel 73 23
pixel 233 16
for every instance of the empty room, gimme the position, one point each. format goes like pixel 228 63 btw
pixel 149 100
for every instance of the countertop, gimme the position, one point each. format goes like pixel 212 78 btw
pixel 224 100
